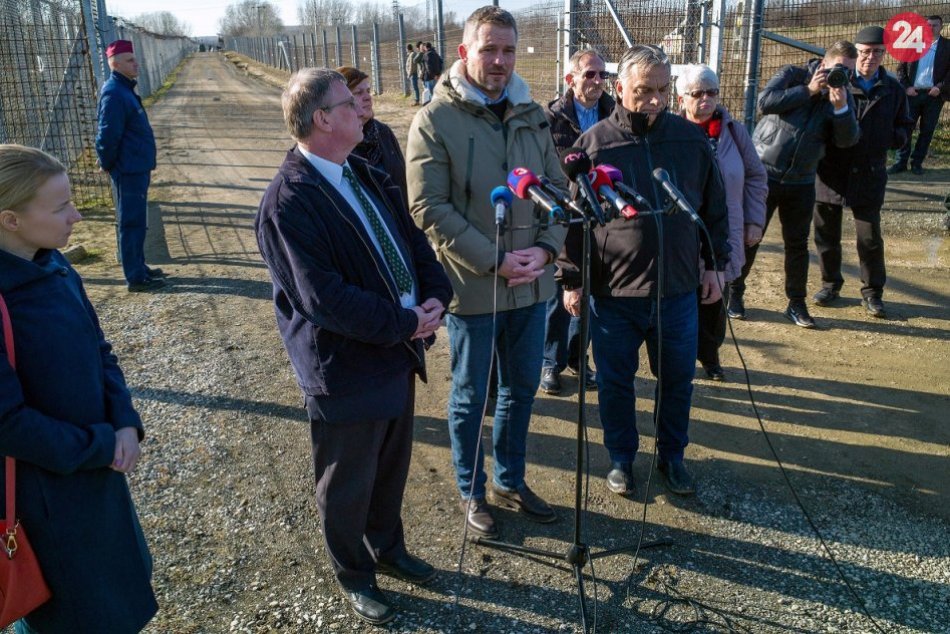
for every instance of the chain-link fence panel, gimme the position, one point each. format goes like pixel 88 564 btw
pixel 47 88
pixel 158 55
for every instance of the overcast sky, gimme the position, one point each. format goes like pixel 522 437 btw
pixel 203 15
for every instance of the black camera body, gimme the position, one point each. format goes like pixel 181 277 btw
pixel 838 75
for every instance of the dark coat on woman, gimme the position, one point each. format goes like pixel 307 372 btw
pixel 858 175
pixel 59 411
pixel 380 149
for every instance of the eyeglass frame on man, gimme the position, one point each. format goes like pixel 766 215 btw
pixel 590 74
pixel 351 102
pixel 868 52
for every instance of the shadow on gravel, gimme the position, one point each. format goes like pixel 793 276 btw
pixel 225 403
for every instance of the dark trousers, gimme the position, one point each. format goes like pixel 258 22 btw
pixel 361 471
pixel 867 225
pixel 562 335
pixel 925 109
pixel 131 204
pixel 795 205
pixel 712 328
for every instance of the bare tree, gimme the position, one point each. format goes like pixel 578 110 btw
pixel 250 17
pixel 316 13
pixel 162 23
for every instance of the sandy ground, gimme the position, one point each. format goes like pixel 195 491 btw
pixel 857 411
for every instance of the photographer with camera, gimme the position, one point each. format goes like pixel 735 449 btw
pixel 857 176
pixel 805 108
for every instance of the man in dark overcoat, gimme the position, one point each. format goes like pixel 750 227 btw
pixel 927 84
pixel 857 176
pixel 358 295
pixel 125 146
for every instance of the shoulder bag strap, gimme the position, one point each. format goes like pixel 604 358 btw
pixel 10 462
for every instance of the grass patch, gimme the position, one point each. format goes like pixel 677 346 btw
pixel 166 85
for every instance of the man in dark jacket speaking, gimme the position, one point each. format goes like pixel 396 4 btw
pixel 358 292
pixel 804 113
pixel 125 146
pixel 640 136
pixel 857 176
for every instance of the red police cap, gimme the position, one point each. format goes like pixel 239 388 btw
pixel 119 46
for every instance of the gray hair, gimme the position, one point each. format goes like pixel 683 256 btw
pixel 694 77
pixel 487 15
pixel 306 93
pixel 642 57
pixel 575 61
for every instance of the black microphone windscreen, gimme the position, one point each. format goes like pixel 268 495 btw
pixel 574 162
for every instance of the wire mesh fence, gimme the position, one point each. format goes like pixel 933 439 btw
pixel 53 62
pixel 717 32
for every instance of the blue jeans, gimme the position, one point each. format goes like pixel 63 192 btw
pixel 430 86
pixel 619 326
pixel 131 194
pixel 519 339
pixel 562 335
pixel 414 80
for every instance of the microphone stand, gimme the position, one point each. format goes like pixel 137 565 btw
pixel 578 554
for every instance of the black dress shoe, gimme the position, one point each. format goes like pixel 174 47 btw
pixel 736 306
pixel 620 478
pixel 897 168
pixel 591 376
pixel 155 273
pixel 714 372
pixel 550 382
pixel 524 500
pixel 917 169
pixel 677 478
pixel 797 313
pixel 874 306
pixel 146 286
pixel 370 605
pixel 479 518
pixel 407 568
pixel 826 296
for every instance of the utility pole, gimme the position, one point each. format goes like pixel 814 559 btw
pixel 260 21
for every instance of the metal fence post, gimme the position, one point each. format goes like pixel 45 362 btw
pixel 377 80
pixel 752 64
pixel 326 50
pixel 339 47
pixel 568 30
pixel 402 54
pixel 354 50
pixel 439 29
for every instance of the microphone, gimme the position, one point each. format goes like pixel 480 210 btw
pixel 560 196
pixel 576 164
pixel 501 199
pixel 603 184
pixel 526 186
pixel 661 176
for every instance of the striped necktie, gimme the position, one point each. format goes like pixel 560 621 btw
pixel 396 266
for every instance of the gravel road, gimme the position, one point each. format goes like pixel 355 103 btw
pixel 857 410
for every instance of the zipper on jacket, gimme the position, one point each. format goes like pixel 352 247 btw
pixel 468 171
pixel 656 197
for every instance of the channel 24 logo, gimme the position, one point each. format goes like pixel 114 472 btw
pixel 908 36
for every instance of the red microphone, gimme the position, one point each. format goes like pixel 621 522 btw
pixel 602 180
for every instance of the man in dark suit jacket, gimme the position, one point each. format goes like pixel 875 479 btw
pixel 927 83
pixel 358 295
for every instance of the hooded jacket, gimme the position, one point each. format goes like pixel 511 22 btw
pixel 59 411
pixel 458 152
pixel 338 310
pixel 797 127
pixel 625 259
pixel 858 175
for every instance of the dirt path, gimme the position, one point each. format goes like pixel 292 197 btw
pixel 857 410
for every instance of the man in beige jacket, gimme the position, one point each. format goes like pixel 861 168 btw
pixel 482 124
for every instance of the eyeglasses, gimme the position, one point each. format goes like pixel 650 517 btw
pixel 696 94
pixel 351 102
pixel 590 74
pixel 868 52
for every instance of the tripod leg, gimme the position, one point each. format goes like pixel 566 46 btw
pixel 581 594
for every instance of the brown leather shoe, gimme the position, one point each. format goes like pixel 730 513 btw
pixel 479 518
pixel 524 500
